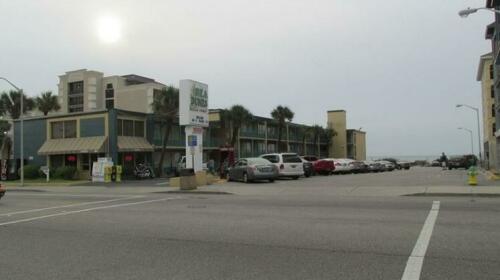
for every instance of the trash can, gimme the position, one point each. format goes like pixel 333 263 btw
pixel 107 174
pixel 187 179
pixel 118 173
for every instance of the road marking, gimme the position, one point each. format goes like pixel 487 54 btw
pixel 69 205
pixel 162 183
pixel 87 210
pixel 416 259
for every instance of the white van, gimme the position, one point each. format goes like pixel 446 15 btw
pixel 289 164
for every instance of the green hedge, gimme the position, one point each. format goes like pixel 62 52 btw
pixel 65 172
pixel 31 171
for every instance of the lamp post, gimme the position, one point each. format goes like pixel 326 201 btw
pixel 471 140
pixel 478 127
pixel 21 113
pixel 465 13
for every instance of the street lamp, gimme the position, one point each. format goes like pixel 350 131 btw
pixel 22 125
pixel 478 127
pixel 471 140
pixel 465 13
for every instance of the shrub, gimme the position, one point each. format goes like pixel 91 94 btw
pixel 31 171
pixel 65 172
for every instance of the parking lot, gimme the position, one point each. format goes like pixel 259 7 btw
pixel 293 233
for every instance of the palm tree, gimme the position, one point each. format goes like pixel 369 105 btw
pixel 236 117
pixel 166 111
pixel 317 131
pixel 281 115
pixel 329 133
pixel 13 110
pixel 47 102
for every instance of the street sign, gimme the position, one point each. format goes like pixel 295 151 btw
pixel 45 169
pixel 192 140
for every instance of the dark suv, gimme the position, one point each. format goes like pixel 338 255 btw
pixel 464 161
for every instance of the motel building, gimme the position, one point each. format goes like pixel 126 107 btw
pixel 111 116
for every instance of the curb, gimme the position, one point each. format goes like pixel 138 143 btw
pixel 491 176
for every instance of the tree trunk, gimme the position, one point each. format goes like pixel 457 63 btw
pixel 234 137
pixel 166 134
pixel 279 138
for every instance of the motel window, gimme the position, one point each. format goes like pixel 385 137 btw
pixel 110 103
pixel 139 128
pixel 56 161
pixel 494 128
pixel 63 129
pixel 57 130
pixel 128 128
pixel 493 110
pixel 491 72
pixel 492 92
pixel 84 161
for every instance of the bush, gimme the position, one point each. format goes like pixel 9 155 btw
pixel 30 171
pixel 65 172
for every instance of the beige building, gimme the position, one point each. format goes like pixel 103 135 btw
pixel 337 120
pixel 347 143
pixel 87 90
pixel 356 144
pixel 485 75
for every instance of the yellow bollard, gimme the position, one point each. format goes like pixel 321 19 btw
pixel 472 176
pixel 118 173
pixel 107 174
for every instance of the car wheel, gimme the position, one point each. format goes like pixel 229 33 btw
pixel 245 178
pixel 271 180
pixel 295 177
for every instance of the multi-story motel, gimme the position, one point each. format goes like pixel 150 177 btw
pixel 112 116
pixel 485 75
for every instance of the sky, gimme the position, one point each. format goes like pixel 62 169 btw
pixel 397 67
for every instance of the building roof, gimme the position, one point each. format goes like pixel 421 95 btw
pixel 81 145
pixel 482 60
pixel 335 111
pixel 136 79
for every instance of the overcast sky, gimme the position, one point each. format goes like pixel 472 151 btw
pixel 397 67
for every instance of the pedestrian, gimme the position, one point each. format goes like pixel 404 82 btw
pixel 444 161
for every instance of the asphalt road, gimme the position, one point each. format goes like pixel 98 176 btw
pixel 59 235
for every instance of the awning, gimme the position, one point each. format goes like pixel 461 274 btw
pixel 73 146
pixel 134 144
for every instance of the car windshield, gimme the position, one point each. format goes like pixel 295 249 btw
pixel 291 158
pixel 258 161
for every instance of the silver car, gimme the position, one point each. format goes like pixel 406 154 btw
pixel 250 169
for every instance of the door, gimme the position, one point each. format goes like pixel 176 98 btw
pixel 292 164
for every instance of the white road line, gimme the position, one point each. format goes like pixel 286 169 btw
pixel 162 183
pixel 87 210
pixel 416 259
pixel 69 205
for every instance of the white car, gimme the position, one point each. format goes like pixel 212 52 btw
pixel 289 164
pixel 342 165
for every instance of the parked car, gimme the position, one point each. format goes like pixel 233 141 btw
pixel 321 166
pixel 389 166
pixel 251 169
pixel 288 164
pixel 403 165
pixel 464 161
pixel 374 166
pixel 342 166
pixel 436 163
pixel 308 167
pixel 359 167
pixel 181 164
pixel 2 191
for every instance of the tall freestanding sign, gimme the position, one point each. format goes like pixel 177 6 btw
pixel 193 114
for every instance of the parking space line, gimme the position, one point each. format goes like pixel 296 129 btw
pixel 87 210
pixel 416 259
pixel 69 205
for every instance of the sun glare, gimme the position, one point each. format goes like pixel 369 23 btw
pixel 109 29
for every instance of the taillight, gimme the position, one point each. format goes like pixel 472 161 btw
pixel 282 166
